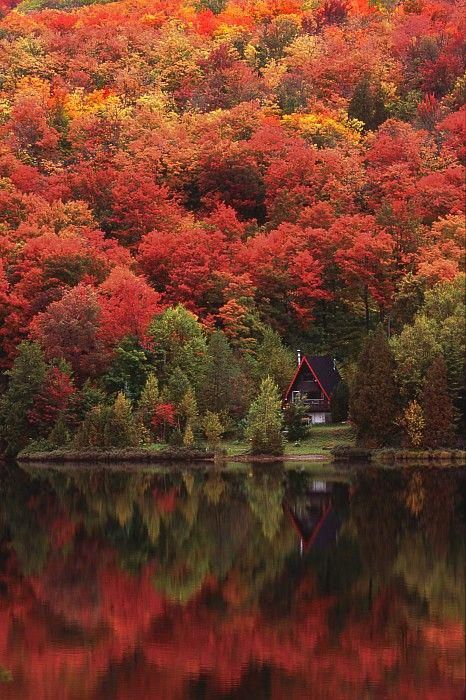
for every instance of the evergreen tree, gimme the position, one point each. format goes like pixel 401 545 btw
pixel 148 401
pixel 94 429
pixel 109 426
pixel 367 104
pixel 294 419
pixel 374 393
pixel 215 6
pixel 188 411
pixel 26 379
pixel 122 430
pixel 59 436
pixel 437 407
pixel 128 370
pixel 176 387
pixel 91 395
pixel 222 372
pixel 273 359
pixel 264 422
pixel 188 436
pixel 213 429
pixel 339 403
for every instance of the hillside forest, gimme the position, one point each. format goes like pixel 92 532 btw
pixel 191 190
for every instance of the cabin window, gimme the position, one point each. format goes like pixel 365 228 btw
pixel 295 396
pixel 318 418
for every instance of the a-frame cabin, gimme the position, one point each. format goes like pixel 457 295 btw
pixel 314 382
pixel 313 517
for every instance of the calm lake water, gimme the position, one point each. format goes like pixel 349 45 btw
pixel 253 585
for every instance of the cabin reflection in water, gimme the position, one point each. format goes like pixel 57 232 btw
pixel 313 516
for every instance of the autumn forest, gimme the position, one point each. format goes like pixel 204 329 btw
pixel 191 190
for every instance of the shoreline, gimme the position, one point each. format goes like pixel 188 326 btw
pixel 339 457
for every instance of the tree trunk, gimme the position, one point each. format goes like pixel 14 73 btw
pixel 366 307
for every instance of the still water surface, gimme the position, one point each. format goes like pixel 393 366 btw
pixel 253 585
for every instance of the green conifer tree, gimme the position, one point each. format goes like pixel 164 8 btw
pixel 176 387
pixel 222 371
pixel 374 395
pixel 121 430
pixel 264 421
pixel 213 429
pixel 294 419
pixel 128 369
pixel 188 410
pixel 437 407
pixel 26 378
pixel 273 359
pixel 367 103
pixel 148 401
pixel 339 403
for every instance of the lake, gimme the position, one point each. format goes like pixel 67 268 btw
pixel 245 583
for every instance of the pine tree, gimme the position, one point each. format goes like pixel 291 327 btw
pixel 122 431
pixel 148 401
pixel 294 419
pixel 59 436
pixel 374 393
pixel 213 429
pixel 367 104
pixel 128 369
pixel 93 431
pixel 108 426
pixel 264 422
pixel 26 379
pixel 176 387
pixel 188 410
pixel 339 403
pixel 273 360
pixel 215 6
pixel 218 392
pixel 188 436
pixel 437 407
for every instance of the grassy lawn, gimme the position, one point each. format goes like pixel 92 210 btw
pixel 320 440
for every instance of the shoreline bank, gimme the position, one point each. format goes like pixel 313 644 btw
pixel 348 456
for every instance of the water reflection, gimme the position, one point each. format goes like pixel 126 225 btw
pixel 198 584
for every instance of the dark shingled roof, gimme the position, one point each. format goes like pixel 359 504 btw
pixel 324 370
pixel 327 375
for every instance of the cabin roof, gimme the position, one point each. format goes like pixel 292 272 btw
pixel 323 530
pixel 324 371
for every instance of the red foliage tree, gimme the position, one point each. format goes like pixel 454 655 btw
pixel 53 400
pixel 127 304
pixel 70 329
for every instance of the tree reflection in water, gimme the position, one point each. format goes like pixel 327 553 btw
pixel 197 584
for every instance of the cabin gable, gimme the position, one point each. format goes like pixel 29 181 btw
pixel 314 382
